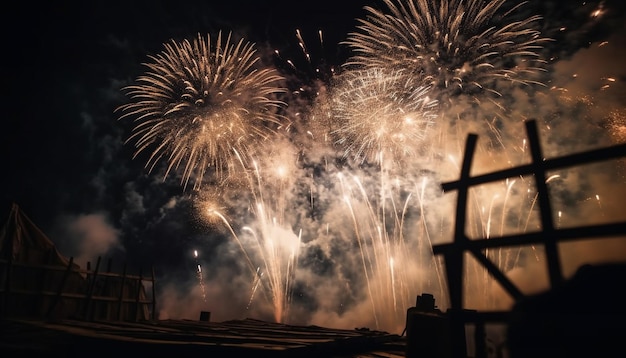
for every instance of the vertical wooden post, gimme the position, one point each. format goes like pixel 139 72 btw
pixel 138 294
pixel 480 340
pixel 543 196
pixel 104 308
pixel 121 297
pixel 92 285
pixel 153 296
pixel 57 298
pixel 7 285
pixel 43 300
pixel 10 225
pixel 454 259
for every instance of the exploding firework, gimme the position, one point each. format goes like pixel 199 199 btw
pixel 392 233
pixel 261 230
pixel 203 105
pixel 458 46
pixel 381 114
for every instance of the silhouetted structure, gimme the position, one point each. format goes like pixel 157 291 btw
pixel 530 309
pixel 428 329
pixel 584 317
pixel 37 282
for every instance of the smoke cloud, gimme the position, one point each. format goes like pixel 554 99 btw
pixel 87 237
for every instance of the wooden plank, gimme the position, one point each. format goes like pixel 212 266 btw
pixel 59 294
pixel 153 295
pixel 7 283
pixel 257 338
pixel 87 312
pixel 63 268
pixel 121 295
pixel 137 296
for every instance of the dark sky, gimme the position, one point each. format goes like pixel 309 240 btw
pixel 63 157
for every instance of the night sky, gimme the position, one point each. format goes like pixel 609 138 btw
pixel 63 154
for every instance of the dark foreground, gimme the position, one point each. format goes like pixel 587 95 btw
pixel 186 338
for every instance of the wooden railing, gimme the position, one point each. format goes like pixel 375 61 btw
pixel 549 236
pixel 53 291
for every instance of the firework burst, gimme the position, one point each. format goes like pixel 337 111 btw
pixel 309 75
pixel 381 114
pixel 459 46
pixel 203 105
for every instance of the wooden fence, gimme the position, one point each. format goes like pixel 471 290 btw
pixel 32 290
pixel 549 236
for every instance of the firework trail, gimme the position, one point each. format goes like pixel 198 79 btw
pixel 262 232
pixel 255 286
pixel 199 103
pixel 278 247
pixel 381 115
pixel 199 275
pixel 461 47
pixel 392 234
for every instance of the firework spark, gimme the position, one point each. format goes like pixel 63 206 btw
pixel 199 275
pixel 269 246
pixel 459 46
pixel 391 231
pixel 380 114
pixel 201 104
pixel 616 124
